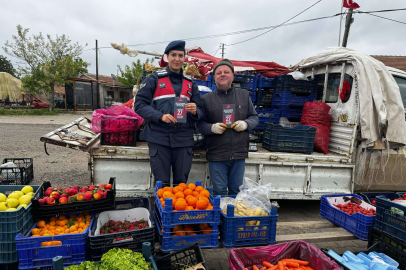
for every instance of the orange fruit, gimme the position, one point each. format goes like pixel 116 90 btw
pixel 35 235
pixel 203 226
pixel 73 228
pixel 47 226
pixel 52 223
pixel 192 234
pixel 201 204
pixel 160 192
pixel 192 201
pixel 76 223
pixel 180 205
pixel 81 225
pixel 191 186
pixel 168 189
pixel 199 188
pixel 205 193
pixel 206 230
pixel 175 235
pixel 35 231
pixel 188 230
pixel 167 194
pixel 41 224
pixel 188 197
pixel 210 207
pixel 62 223
pixel 188 192
pixel 181 233
pixel 189 208
pixel 195 193
pixel 52 219
pixel 180 194
pixel 51 228
pixel 62 217
pixel 201 197
pixel 177 189
pixel 183 185
pixel 80 219
pixel 45 244
pixel 178 228
pixel 174 201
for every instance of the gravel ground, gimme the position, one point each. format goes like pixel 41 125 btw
pixel 20 137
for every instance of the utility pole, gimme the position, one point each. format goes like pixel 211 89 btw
pixel 97 76
pixel 348 21
pixel 222 50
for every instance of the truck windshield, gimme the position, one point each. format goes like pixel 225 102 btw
pixel 332 86
pixel 402 87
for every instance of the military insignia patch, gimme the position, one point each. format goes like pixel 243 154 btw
pixel 142 85
pixel 162 85
pixel 190 93
pixel 189 85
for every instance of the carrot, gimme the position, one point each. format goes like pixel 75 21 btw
pixel 281 266
pixel 263 268
pixel 293 264
pixel 276 267
pixel 254 267
pixel 300 262
pixel 267 264
pixel 247 269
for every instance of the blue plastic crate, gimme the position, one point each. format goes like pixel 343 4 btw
pixel 389 221
pixel 298 139
pixel 265 97
pixel 32 255
pixel 288 84
pixel 370 196
pixel 13 223
pixel 267 116
pixel 170 243
pixel 249 82
pixel 286 99
pixel 264 82
pixel 357 224
pixel 202 93
pixel 236 232
pixel 292 114
pixel 253 96
pixel 100 244
pixel 202 82
pixel 171 218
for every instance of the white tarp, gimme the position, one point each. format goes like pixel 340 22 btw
pixel 379 96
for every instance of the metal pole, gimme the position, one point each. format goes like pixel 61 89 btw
pixel 341 20
pixel 91 87
pixel 97 76
pixel 348 23
pixel 222 50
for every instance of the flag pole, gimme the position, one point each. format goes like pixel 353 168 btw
pixel 341 20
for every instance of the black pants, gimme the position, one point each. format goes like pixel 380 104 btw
pixel 163 157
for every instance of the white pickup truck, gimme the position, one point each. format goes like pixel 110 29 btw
pixel 347 168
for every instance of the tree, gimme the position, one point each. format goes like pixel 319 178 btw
pixel 48 60
pixel 6 66
pixel 129 76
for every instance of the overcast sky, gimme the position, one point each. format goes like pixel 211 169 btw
pixel 138 22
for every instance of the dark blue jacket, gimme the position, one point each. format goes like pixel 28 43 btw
pixel 157 131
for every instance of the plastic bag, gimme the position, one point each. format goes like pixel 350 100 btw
pixel 241 258
pixel 224 201
pixel 124 49
pixel 297 75
pixel 115 119
pixel 316 114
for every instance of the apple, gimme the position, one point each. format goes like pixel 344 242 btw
pixel 63 200
pixel 105 194
pixel 64 195
pixel 50 201
pixel 42 201
pixel 59 188
pixel 50 188
pixel 102 186
pixel 88 196
pixel 55 195
pixel 75 187
pixel 83 190
pixel 73 191
pixel 48 192
pixel 93 186
pixel 108 186
pixel 80 196
pixel 66 190
pixel 97 196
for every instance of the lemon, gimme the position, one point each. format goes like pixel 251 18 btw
pixel 30 194
pixel 14 195
pixel 12 202
pixel 3 197
pixel 19 192
pixel 11 209
pixel 26 199
pixel 22 205
pixel 27 189
pixel 3 206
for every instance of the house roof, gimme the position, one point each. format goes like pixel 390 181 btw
pixel 394 61
pixel 103 79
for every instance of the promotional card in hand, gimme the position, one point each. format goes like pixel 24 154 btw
pixel 228 114
pixel 179 111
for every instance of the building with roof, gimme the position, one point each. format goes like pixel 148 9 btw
pixel 394 61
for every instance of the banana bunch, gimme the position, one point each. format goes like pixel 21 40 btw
pixel 242 209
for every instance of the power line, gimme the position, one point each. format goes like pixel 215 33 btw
pixel 276 26
pixel 262 28
pixel 382 17
pixel 216 51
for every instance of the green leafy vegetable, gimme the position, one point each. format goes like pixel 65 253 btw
pixel 124 259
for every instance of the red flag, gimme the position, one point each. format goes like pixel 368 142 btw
pixel 350 4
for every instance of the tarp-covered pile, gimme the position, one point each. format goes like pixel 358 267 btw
pixel 9 86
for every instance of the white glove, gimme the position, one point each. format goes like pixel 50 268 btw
pixel 218 128
pixel 239 125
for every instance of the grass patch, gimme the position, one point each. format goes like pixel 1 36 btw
pixel 27 112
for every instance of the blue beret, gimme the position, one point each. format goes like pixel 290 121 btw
pixel 178 45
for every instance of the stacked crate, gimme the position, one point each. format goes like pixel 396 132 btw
pixel 166 219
